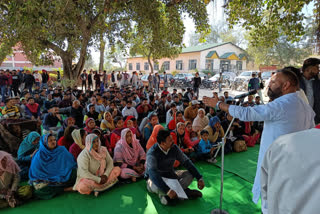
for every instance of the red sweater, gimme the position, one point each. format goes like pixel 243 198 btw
pixel 63 142
pixel 75 150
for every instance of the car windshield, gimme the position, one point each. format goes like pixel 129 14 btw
pixel 266 74
pixel 188 75
pixel 246 74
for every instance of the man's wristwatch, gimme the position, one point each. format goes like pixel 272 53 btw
pixel 217 106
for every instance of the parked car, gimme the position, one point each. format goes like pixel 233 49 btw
pixel 225 76
pixel 246 75
pixel 170 76
pixel 145 81
pixel 266 75
pixel 203 76
pixel 184 76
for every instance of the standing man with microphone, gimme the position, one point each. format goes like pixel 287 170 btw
pixel 287 113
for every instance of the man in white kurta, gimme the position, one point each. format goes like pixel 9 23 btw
pixel 290 174
pixel 287 113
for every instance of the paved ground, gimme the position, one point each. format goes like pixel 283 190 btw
pixel 209 93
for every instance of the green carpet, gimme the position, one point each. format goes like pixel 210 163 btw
pixel 134 198
pixel 243 164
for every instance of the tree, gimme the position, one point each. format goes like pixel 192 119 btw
pixel 269 20
pixel 218 34
pixel 68 27
pixel 282 53
pixel 165 40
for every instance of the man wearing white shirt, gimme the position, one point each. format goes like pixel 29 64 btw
pixel 290 173
pixel 287 113
pixel 129 110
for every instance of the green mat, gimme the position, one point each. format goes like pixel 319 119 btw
pixel 243 164
pixel 134 198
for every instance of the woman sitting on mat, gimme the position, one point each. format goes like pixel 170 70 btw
pixel 129 156
pixel 107 122
pixel 191 135
pixel 70 121
pixel 27 149
pixel 201 121
pixel 66 140
pixel 116 134
pixel 10 194
pixel 179 138
pixel 178 117
pixel 95 168
pixel 53 169
pixel 153 138
pixel 79 138
pixel 90 125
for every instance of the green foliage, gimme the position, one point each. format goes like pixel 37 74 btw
pixel 67 28
pixel 159 33
pixel 268 20
pixel 218 34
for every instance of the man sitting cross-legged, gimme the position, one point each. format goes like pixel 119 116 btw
pixel 160 160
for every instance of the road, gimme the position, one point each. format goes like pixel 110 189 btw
pixel 209 93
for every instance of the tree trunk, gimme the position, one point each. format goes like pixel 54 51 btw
pixel 317 12
pixel 102 48
pixel 149 60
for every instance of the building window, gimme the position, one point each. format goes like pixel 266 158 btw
pixel 146 66
pixel 209 64
pixel 192 64
pixel 225 65
pixel 166 65
pixel 138 66
pixel 130 66
pixel 156 66
pixel 179 65
pixel 239 65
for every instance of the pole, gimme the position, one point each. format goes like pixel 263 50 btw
pixel 224 140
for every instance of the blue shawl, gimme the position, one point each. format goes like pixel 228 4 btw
pixel 51 165
pixel 26 145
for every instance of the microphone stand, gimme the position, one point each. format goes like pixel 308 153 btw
pixel 221 145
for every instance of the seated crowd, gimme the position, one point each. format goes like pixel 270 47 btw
pixel 115 135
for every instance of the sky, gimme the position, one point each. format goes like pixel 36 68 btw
pixel 215 14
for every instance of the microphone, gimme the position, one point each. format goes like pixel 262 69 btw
pixel 241 96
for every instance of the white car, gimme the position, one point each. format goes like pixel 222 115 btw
pixel 225 76
pixel 246 76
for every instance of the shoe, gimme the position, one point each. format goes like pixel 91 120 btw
pixel 193 194
pixel 165 200
pixel 212 160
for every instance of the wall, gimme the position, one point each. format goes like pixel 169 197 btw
pixel 185 57
pixel 199 56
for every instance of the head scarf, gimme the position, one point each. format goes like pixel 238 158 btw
pixel 109 125
pixel 53 165
pixel 27 145
pixel 65 122
pixel 89 130
pixel 153 138
pixel 128 118
pixel 100 155
pixel 11 167
pixel 77 138
pixel 199 122
pixel 129 154
pixel 213 121
pixel 180 138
